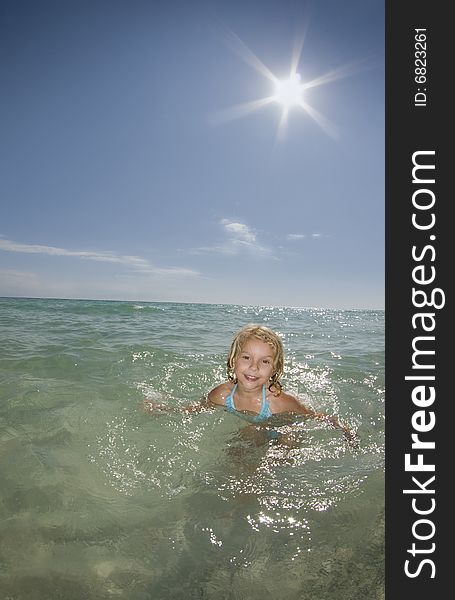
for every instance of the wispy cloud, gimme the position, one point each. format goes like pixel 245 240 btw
pixel 137 263
pixel 239 237
pixel 301 236
pixel 13 275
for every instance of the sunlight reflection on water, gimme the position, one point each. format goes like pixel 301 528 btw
pixel 100 499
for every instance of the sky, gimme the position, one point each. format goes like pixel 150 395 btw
pixel 148 153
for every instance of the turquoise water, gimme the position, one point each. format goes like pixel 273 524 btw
pixel 101 500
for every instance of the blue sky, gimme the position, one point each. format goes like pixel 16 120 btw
pixel 132 168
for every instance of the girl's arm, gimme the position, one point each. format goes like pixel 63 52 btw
pixel 214 398
pixel 349 435
pixel 155 407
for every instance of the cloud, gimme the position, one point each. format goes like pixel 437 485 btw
pixel 239 231
pixel 136 263
pixel 13 275
pixel 300 236
pixel 295 236
pixel 239 238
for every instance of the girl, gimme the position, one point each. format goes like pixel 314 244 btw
pixel 253 390
pixel 254 367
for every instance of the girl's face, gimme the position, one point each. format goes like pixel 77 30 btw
pixel 253 366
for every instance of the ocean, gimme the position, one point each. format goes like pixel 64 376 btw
pixel 100 500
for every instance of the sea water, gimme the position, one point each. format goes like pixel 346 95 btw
pixel 101 500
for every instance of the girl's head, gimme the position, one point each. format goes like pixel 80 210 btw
pixel 274 354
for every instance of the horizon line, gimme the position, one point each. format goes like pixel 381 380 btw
pixel 189 302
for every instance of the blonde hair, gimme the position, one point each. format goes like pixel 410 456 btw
pixel 264 334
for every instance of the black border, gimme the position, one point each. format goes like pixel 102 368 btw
pixel 411 128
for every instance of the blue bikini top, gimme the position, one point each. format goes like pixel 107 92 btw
pixel 263 414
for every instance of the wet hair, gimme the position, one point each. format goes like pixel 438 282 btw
pixel 264 334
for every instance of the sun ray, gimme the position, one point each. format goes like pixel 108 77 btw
pixel 297 54
pixel 242 50
pixel 336 74
pixel 283 123
pixel 322 121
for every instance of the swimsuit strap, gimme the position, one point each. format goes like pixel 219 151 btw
pixel 265 408
pixel 229 402
pixel 264 413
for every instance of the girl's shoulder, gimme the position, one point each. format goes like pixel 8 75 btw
pixel 219 393
pixel 288 403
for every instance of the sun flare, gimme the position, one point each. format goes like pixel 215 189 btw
pixel 289 93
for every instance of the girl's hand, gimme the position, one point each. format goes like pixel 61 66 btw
pixel 351 437
pixel 151 406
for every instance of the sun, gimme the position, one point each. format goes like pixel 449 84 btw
pixel 289 93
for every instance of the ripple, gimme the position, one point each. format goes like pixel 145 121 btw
pixel 105 499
